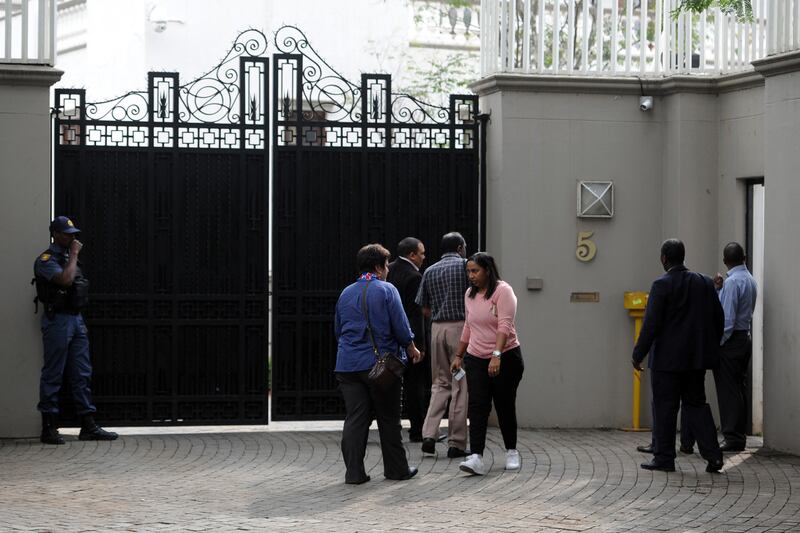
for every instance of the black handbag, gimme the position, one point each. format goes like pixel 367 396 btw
pixel 388 367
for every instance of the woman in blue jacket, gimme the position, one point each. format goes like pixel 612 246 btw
pixel 355 357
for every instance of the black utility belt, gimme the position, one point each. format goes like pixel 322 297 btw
pixel 66 311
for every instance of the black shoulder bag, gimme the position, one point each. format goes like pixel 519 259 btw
pixel 388 366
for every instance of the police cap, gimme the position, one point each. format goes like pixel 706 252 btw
pixel 63 224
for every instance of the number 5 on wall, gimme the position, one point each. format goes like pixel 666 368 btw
pixel 586 249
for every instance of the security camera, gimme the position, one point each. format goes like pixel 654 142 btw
pixel 645 103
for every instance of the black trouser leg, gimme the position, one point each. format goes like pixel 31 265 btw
pixel 666 401
pixel 358 417
pixel 698 414
pixel 731 381
pixel 417 390
pixel 479 402
pixel 687 439
pixel 504 394
pixel 387 412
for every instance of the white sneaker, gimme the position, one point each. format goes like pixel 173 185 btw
pixel 473 465
pixel 512 460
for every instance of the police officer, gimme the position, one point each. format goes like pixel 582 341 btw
pixel 63 291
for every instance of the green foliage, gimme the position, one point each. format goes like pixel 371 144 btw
pixel 443 74
pixel 743 9
pixel 433 74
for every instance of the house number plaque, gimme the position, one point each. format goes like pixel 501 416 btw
pixel 586 249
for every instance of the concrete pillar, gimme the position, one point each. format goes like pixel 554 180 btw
pixel 25 213
pixel 781 292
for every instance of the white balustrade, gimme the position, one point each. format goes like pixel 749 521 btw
pixel 630 37
pixel 27 31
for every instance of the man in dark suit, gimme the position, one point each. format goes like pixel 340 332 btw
pixel 683 323
pixel 405 275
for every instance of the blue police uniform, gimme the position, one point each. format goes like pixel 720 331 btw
pixel 66 345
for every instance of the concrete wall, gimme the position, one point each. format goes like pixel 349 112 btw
pixel 781 291
pixel 577 354
pixel 25 211
pixel 675 171
pixel 688 182
pixel 741 157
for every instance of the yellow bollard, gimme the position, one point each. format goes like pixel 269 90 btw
pixel 635 303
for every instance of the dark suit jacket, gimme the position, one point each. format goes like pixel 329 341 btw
pixel 406 278
pixel 683 323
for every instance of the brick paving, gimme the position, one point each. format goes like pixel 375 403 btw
pixel 290 478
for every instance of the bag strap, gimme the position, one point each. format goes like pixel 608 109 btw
pixel 365 309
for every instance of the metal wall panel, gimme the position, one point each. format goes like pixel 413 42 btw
pixel 170 189
pixel 353 164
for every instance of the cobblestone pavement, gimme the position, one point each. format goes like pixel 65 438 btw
pixel 286 479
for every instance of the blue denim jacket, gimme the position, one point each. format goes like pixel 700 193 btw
pixel 390 325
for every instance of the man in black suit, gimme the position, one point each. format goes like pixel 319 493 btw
pixel 684 324
pixel 405 275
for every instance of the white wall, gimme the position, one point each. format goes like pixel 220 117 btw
pixel 113 61
pixel 122 45
pixel 756 252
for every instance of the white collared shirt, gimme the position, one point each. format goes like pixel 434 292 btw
pixel 410 262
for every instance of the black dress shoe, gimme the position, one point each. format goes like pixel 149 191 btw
pixel 663 467
pixel 714 466
pixel 688 450
pixel 412 471
pixel 453 452
pixel 645 449
pixel 359 482
pixel 428 446
pixel 728 447
pixel 96 433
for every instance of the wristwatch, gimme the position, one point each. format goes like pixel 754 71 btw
pixel 496 353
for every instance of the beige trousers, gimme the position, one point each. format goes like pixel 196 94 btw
pixel 445 337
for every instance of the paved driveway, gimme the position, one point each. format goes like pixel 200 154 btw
pixel 291 478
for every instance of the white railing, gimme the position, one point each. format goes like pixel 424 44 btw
pixel 561 37
pixel 27 31
pixel 784 35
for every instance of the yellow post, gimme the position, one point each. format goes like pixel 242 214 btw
pixel 635 303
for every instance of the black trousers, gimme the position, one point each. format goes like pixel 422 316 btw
pixel 687 439
pixel 417 392
pixel 361 403
pixel 731 381
pixel 682 390
pixel 485 389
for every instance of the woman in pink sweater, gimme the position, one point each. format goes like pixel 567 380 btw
pixel 491 356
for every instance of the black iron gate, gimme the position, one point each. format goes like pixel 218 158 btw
pixel 170 189
pixel 353 164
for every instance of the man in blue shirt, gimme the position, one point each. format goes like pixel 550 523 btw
pixel 737 294
pixel 63 291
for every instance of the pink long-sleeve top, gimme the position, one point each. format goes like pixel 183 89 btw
pixel 484 318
